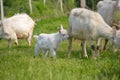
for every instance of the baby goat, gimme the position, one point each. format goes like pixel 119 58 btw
pixel 49 42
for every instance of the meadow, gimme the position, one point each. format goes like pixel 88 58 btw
pixel 17 62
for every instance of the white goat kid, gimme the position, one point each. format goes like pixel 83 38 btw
pixel 87 25
pixel 49 42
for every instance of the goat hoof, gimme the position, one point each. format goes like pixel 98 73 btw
pixel 85 56
pixel 53 58
pixel 94 58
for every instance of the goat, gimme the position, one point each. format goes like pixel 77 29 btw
pixel 87 25
pixel 19 26
pixel 49 42
pixel 107 9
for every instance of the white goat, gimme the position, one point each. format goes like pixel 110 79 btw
pixel 49 42
pixel 107 8
pixel 17 26
pixel 87 25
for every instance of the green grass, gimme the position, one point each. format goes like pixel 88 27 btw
pixel 17 62
pixel 117 16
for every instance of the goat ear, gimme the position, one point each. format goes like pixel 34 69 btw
pixel 60 28
pixel 114 31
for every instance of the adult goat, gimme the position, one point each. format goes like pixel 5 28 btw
pixel 87 25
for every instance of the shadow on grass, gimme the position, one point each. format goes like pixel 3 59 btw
pixel 74 54
pixel 17 50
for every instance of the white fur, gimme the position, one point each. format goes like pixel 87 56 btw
pixel 87 25
pixel 18 26
pixel 117 40
pixel 49 42
pixel 107 8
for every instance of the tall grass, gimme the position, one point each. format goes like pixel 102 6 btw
pixel 50 9
pixel 17 62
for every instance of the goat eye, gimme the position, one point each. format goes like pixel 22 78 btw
pixel 63 34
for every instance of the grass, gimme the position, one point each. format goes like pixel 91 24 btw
pixel 17 62
pixel 117 16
